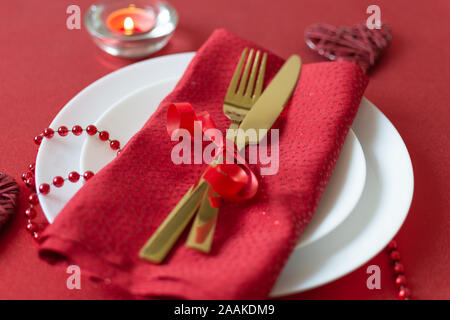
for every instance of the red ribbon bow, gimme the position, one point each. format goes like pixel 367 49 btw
pixel 231 181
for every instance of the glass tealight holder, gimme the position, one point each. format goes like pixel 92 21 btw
pixel 131 29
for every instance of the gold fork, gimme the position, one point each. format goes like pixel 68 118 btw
pixel 237 103
pixel 235 107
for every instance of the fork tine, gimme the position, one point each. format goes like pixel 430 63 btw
pixel 260 80
pixel 237 73
pixel 243 82
pixel 251 82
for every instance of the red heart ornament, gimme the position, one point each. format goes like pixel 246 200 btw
pixel 9 191
pixel 357 44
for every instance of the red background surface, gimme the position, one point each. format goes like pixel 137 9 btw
pixel 43 65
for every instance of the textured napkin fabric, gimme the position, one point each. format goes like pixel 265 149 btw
pixel 106 223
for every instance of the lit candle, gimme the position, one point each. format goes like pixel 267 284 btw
pixel 131 20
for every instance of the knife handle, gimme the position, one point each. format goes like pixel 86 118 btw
pixel 163 239
pixel 202 230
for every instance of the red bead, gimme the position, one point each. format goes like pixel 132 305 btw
pixel 91 130
pixel 30 213
pixel 394 255
pixel 32 227
pixel 36 236
pixel 104 135
pixel 26 176
pixel 38 140
pixel 404 293
pixel 401 281
pixel 30 182
pixel 87 175
pixel 49 133
pixel 31 167
pixel 44 188
pixel 119 152
pixel 392 245
pixel 114 144
pixel 58 181
pixel 77 130
pixel 33 198
pixel 74 176
pixel 399 268
pixel 63 131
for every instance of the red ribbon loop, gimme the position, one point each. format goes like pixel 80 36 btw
pixel 182 116
pixel 231 181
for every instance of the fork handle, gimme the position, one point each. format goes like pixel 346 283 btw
pixel 202 230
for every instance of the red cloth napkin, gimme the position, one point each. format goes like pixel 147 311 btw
pixel 106 223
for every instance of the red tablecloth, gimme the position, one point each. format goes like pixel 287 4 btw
pixel 43 65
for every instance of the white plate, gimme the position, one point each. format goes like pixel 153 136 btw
pixel 128 116
pixel 378 216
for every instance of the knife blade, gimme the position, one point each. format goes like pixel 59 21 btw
pixel 268 107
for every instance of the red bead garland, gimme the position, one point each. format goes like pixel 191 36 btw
pixel 87 175
pixel 400 279
pixel 63 131
pixel 30 213
pixel 48 133
pixel 44 188
pixel 38 139
pixel 404 294
pixel 33 198
pixel 77 130
pixel 26 176
pixel 74 176
pixel 115 145
pixel 30 182
pixel 91 130
pixel 58 181
pixel 103 135
pixel 32 227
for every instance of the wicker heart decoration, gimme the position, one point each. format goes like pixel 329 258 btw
pixel 357 44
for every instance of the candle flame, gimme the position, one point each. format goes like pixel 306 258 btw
pixel 128 24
